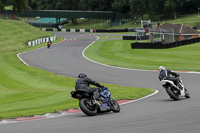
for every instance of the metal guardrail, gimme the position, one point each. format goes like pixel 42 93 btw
pixel 40 40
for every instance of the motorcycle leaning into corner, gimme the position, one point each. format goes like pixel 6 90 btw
pixel 91 108
pixel 173 90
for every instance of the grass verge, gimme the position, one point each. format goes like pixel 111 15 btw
pixel 119 53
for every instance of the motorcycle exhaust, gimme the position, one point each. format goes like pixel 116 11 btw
pixel 96 103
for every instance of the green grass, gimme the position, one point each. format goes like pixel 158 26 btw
pixel 189 20
pixel 26 91
pixel 119 53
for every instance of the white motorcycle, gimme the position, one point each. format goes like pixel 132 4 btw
pixel 173 90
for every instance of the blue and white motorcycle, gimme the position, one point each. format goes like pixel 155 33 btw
pixel 174 91
pixel 91 107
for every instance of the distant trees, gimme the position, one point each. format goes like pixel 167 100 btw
pixel 87 5
pixel 122 6
pixel 2 4
pixel 136 8
pixel 165 8
pixel 19 5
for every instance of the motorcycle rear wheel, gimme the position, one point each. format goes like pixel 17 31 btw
pixel 173 93
pixel 114 106
pixel 85 106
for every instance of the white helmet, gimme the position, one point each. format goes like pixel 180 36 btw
pixel 161 68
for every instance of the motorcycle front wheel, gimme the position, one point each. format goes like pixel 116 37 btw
pixel 173 93
pixel 114 106
pixel 88 109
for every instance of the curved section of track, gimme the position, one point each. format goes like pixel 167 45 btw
pixel 157 114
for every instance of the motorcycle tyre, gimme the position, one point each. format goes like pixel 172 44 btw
pixel 171 94
pixel 85 109
pixel 113 108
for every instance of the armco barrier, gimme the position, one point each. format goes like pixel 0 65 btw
pixel 159 45
pixel 134 37
pixel 113 30
pixel 69 30
pixel 89 30
pixel 41 40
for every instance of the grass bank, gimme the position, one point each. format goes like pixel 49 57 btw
pixel 119 53
pixel 26 91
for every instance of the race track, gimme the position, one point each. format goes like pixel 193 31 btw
pixel 156 114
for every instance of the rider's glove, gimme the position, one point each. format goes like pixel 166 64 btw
pixel 103 87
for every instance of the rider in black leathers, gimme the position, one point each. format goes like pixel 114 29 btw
pixel 83 82
pixel 165 74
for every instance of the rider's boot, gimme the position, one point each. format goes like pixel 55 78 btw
pixel 186 92
pixel 179 86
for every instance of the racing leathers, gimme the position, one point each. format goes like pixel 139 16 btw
pixel 166 74
pixel 83 82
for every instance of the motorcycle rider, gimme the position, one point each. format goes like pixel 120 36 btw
pixel 83 82
pixel 165 74
pixel 48 43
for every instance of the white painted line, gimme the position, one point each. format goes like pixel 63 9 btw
pixel 18 55
pixel 21 59
pixel 156 91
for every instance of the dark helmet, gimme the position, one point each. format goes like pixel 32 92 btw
pixel 82 75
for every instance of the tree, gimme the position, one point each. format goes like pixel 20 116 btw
pixel 19 5
pixel 172 7
pixel 122 6
pixel 156 8
pixel 32 5
pixel 2 4
pixel 190 5
pixel 138 7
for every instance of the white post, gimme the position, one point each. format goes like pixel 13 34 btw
pixel 33 43
pixel 63 30
pixel 82 30
pixel 29 43
pixel 173 34
pixel 72 30
pixel 47 39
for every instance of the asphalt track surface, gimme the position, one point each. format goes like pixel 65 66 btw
pixel 156 114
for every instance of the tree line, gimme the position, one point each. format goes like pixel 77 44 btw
pixel 136 8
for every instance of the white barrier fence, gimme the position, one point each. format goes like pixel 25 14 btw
pixel 41 40
pixel 69 30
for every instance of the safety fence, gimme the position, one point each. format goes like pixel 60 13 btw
pixel 41 40
pixel 69 30
pixel 135 37
pixel 89 30
pixel 160 45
